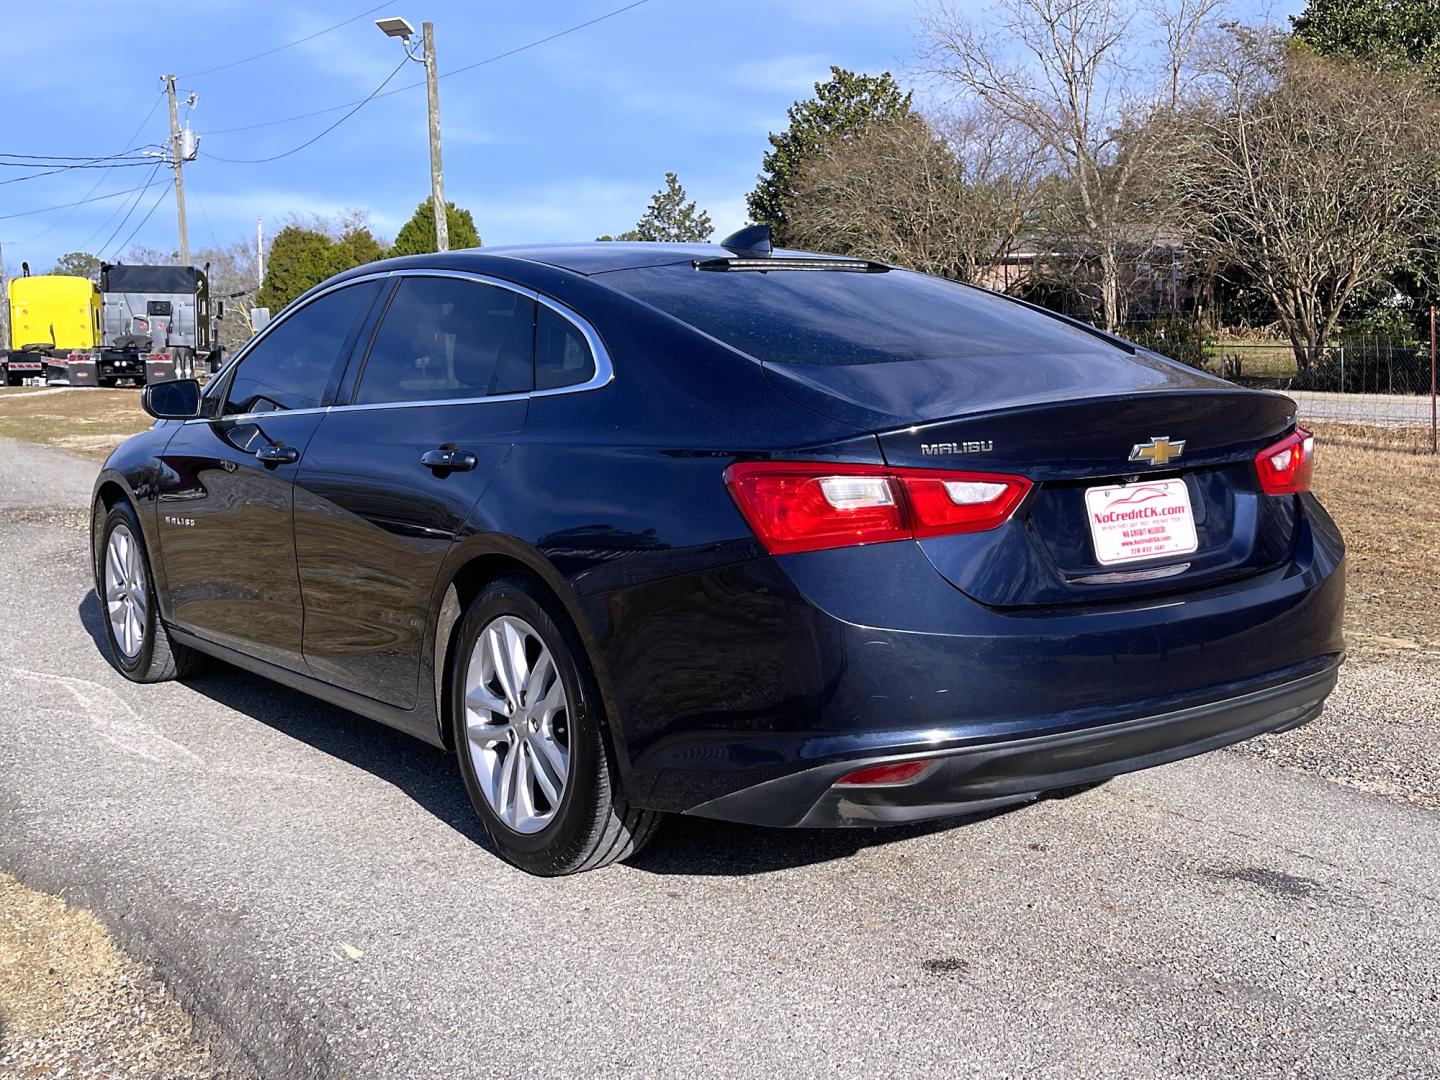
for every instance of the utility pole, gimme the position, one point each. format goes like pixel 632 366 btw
pixel 259 253
pixel 437 176
pixel 177 158
pixel 4 305
pixel 395 27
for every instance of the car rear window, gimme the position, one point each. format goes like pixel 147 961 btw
pixel 836 317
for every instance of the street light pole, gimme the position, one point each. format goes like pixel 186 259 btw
pixel 399 28
pixel 437 175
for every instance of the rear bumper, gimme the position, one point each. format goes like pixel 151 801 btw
pixel 976 778
pixel 745 677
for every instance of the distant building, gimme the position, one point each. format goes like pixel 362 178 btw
pixel 1156 273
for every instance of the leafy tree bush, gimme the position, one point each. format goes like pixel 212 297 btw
pixel 417 236
pixel 356 247
pixel 1178 338
pixel 77 264
pixel 845 103
pixel 299 258
pixel 302 256
pixel 1402 32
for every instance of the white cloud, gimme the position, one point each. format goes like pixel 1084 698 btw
pixel 727 214
pixel 277 205
pixel 572 210
pixel 794 74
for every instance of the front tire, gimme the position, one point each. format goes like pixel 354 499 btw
pixel 141 648
pixel 527 725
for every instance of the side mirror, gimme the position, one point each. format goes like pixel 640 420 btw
pixel 178 399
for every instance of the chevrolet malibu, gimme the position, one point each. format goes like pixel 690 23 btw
pixel 762 536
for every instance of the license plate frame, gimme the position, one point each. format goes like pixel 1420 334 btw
pixel 1141 521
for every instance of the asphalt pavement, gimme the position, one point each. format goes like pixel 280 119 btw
pixel 312 886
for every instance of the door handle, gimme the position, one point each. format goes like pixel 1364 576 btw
pixel 277 454
pixel 448 459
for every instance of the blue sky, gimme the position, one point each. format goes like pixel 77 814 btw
pixel 562 142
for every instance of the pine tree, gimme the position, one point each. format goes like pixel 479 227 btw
pixel 672 217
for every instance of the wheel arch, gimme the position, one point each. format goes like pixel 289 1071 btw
pixel 466 572
pixel 110 490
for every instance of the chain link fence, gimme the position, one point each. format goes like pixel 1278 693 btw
pixel 1365 390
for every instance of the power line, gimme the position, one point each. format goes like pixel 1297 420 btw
pixel 96 186
pixel 215 240
pixel 138 196
pixel 165 191
pixel 444 75
pixel 78 202
pixel 68 168
pixel 282 48
pixel 88 163
pixel 51 158
pixel 358 106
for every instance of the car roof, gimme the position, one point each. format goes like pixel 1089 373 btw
pixel 601 257
pixel 596 257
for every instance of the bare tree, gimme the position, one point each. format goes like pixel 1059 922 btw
pixel 946 197
pixel 1312 177
pixel 1069 74
pixel 233 279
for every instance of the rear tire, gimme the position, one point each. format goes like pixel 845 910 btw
pixel 528 736
pixel 141 648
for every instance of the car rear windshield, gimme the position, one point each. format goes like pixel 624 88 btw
pixel 837 317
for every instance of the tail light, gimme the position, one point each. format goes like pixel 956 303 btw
pixel 809 506
pixel 1285 468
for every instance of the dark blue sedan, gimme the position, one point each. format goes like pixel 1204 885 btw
pixel 763 536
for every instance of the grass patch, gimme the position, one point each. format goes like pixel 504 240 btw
pixel 1384 501
pixel 72 1004
pixel 90 422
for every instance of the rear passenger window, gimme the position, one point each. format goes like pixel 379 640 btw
pixel 444 339
pixel 562 355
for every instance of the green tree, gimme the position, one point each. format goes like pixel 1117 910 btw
pixel 299 258
pixel 843 104
pixel 672 217
pixel 356 247
pixel 1386 33
pixel 1404 32
pixel 417 236
pixel 78 264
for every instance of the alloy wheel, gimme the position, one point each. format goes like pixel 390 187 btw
pixel 517 724
pixel 125 595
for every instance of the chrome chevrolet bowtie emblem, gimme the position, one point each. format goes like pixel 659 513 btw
pixel 1158 450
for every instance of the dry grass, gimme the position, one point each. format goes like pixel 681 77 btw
pixel 1401 438
pixel 89 422
pixel 1387 503
pixel 71 1004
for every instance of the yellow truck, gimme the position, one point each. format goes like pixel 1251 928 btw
pixel 51 315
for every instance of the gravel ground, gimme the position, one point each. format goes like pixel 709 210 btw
pixel 72 1004
pixel 313 885
pixel 1380 731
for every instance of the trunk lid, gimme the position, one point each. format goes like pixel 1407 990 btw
pixel 1069 430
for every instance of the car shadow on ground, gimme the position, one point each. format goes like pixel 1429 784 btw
pixel 429 776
